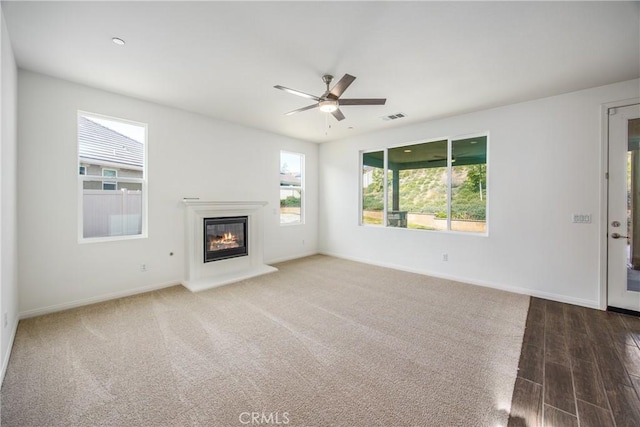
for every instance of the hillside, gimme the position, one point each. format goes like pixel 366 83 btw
pixel 425 191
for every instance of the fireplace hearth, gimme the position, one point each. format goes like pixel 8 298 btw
pixel 225 238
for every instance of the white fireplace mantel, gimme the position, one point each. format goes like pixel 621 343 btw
pixel 200 275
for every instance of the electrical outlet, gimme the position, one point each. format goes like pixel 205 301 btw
pixel 143 267
pixel 302 242
pixel 445 257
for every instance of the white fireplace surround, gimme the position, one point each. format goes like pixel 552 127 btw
pixel 200 275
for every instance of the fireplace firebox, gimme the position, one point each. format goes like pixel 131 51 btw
pixel 225 238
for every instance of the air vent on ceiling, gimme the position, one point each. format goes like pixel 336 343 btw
pixel 394 116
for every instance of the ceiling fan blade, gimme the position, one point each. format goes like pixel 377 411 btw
pixel 363 101
pixel 338 115
pixel 297 92
pixel 341 86
pixel 301 109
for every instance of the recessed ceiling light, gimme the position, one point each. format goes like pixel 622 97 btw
pixel 118 41
pixel 407 151
pixel 473 142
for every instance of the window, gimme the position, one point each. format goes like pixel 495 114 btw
pixel 112 179
pixel 435 185
pixel 373 187
pixel 291 188
pixel 109 185
pixel 469 185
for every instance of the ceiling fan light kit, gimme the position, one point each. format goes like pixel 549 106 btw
pixel 328 106
pixel 330 101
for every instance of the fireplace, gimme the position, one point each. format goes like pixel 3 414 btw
pixel 232 266
pixel 225 237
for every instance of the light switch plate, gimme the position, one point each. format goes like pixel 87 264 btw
pixel 581 218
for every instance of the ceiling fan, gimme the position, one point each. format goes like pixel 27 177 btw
pixel 329 101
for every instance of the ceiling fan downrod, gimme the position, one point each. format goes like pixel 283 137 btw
pixel 327 79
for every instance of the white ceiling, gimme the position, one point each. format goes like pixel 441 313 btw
pixel 429 59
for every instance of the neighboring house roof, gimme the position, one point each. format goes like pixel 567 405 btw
pixel 289 179
pixel 105 146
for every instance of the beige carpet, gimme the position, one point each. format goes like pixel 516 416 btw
pixel 322 342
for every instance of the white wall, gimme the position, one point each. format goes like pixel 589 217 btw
pixel 545 161
pixel 8 217
pixel 544 165
pixel 189 156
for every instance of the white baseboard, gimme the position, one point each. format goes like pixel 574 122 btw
pixel 7 355
pixel 292 257
pixel 100 298
pixel 486 284
pixel 519 290
pixel 106 297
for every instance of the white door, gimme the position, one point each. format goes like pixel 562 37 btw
pixel 623 272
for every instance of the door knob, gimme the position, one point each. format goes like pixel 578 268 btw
pixel 618 236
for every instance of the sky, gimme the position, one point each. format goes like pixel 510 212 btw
pixel 135 132
pixel 292 160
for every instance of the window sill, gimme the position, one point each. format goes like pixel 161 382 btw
pixel 460 233
pixel 84 240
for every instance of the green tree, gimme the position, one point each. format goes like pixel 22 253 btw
pixel 377 184
pixel 469 199
pixel 476 176
pixel 290 202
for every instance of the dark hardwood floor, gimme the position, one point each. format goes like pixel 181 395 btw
pixel 578 367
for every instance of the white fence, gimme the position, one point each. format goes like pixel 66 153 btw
pixel 111 213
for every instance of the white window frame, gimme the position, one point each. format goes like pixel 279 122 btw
pixel 450 141
pixel 142 181
pixel 295 187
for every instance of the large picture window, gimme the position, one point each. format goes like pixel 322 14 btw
pixel 291 188
pixel 112 179
pixel 435 185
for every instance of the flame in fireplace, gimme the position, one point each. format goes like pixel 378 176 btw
pixel 226 241
pixel 228 238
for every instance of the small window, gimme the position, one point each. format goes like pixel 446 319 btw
pixel 111 156
pixel 109 173
pixel 291 188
